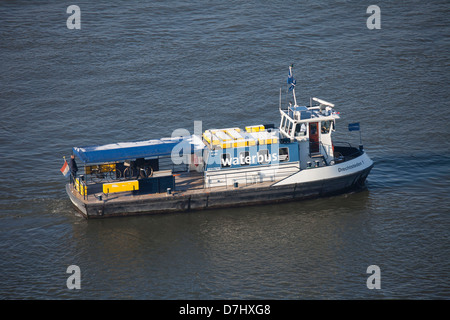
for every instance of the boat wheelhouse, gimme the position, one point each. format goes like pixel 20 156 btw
pixel 225 167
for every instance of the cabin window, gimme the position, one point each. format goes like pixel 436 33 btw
pixel 326 126
pixel 244 158
pixel 300 129
pixel 283 154
pixel 226 160
pixel 283 122
pixel 263 156
pixel 290 127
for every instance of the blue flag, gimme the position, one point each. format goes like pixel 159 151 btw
pixel 291 79
pixel 353 126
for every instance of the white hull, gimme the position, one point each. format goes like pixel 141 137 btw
pixel 329 172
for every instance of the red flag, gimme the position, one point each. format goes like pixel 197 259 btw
pixel 65 169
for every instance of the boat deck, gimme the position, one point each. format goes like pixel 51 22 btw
pixel 185 184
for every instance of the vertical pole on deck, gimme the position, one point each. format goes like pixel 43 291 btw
pixel 279 106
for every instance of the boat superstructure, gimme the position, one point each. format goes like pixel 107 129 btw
pixel 224 167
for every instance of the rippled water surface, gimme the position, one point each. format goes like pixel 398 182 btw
pixel 140 70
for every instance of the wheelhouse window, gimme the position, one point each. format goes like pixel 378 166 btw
pixel 283 154
pixel 283 122
pixel 244 158
pixel 290 127
pixel 300 129
pixel 263 156
pixel 326 126
pixel 226 160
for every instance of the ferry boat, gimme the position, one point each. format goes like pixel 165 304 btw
pixel 225 167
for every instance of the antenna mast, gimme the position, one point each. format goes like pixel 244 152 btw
pixel 292 82
pixel 279 106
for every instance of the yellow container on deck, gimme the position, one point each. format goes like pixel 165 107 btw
pixel 264 137
pixel 255 128
pixel 231 131
pixel 120 186
pixel 239 143
pixel 223 136
pixel 225 145
pixel 210 137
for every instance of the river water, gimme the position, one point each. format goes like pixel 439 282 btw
pixel 139 70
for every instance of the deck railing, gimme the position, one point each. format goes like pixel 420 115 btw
pixel 233 179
